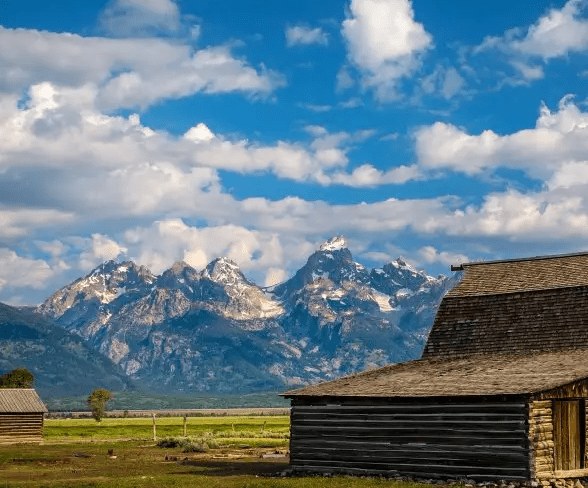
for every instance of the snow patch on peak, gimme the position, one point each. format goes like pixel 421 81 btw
pixel 221 269
pixel 334 244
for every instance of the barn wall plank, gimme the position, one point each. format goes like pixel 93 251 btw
pixel 438 439
pixel 22 427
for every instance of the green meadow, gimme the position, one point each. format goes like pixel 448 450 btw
pixel 239 452
pixel 231 430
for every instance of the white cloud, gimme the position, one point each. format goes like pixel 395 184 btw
pixel 344 79
pixel 135 18
pixel 54 248
pixel 368 176
pixel 556 34
pixel 545 216
pixel 19 272
pixel 275 276
pixel 384 42
pixel 45 134
pixel 430 255
pixel 570 174
pixel 22 221
pixel 98 248
pixel 125 72
pixel 199 133
pixel 557 138
pixel 164 242
pixel 316 108
pixel 444 81
pixel 303 35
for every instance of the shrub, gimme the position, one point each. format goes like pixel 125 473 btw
pixel 187 444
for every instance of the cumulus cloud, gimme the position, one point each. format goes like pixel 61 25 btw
pixel 556 34
pixel 138 18
pixel 430 255
pixel 384 42
pixel 557 138
pixel 368 176
pixel 97 249
pixel 164 242
pixel 122 145
pixel 22 221
pixel 18 272
pixel 125 72
pixel 543 216
pixel 303 35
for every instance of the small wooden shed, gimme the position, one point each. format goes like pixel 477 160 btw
pixel 499 394
pixel 21 416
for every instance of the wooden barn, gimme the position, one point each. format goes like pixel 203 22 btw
pixel 21 416
pixel 499 393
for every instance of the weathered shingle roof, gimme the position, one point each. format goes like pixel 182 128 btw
pixel 20 400
pixel 517 306
pixel 492 374
pixel 521 275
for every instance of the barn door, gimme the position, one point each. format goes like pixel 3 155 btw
pixel 569 431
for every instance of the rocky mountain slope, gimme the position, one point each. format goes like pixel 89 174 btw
pixel 61 362
pixel 213 330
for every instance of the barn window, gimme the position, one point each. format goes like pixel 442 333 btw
pixel 569 434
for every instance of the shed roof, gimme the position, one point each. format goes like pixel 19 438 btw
pixel 20 400
pixel 486 374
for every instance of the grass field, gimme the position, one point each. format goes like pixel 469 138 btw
pixel 273 430
pixel 246 452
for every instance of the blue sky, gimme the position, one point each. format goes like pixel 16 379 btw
pixel 160 130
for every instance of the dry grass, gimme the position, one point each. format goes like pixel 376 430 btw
pixel 142 464
pixel 244 453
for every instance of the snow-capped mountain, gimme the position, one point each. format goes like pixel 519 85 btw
pixel 213 330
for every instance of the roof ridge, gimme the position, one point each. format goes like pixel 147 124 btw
pixel 460 267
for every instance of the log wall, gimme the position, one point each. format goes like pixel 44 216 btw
pixel 479 438
pixel 541 442
pixel 21 427
pixel 541 436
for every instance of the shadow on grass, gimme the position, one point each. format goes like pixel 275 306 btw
pixel 235 468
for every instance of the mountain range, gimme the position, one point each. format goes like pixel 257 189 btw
pixel 214 331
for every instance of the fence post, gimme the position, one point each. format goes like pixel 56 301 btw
pixel 154 431
pixel 185 425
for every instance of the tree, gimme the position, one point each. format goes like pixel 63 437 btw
pixel 97 402
pixel 17 378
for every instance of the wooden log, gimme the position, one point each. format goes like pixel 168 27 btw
pixel 424 469
pixel 543 428
pixel 408 446
pixel 574 473
pixel 415 408
pixel 540 420
pixel 348 452
pixel 389 472
pixel 540 404
pixel 545 445
pixel 402 440
pixel 543 436
pixel 544 412
pixel 478 430
pixel 540 453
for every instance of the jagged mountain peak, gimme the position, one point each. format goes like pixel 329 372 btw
pixel 118 270
pixel 179 267
pixel 223 269
pixel 335 243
